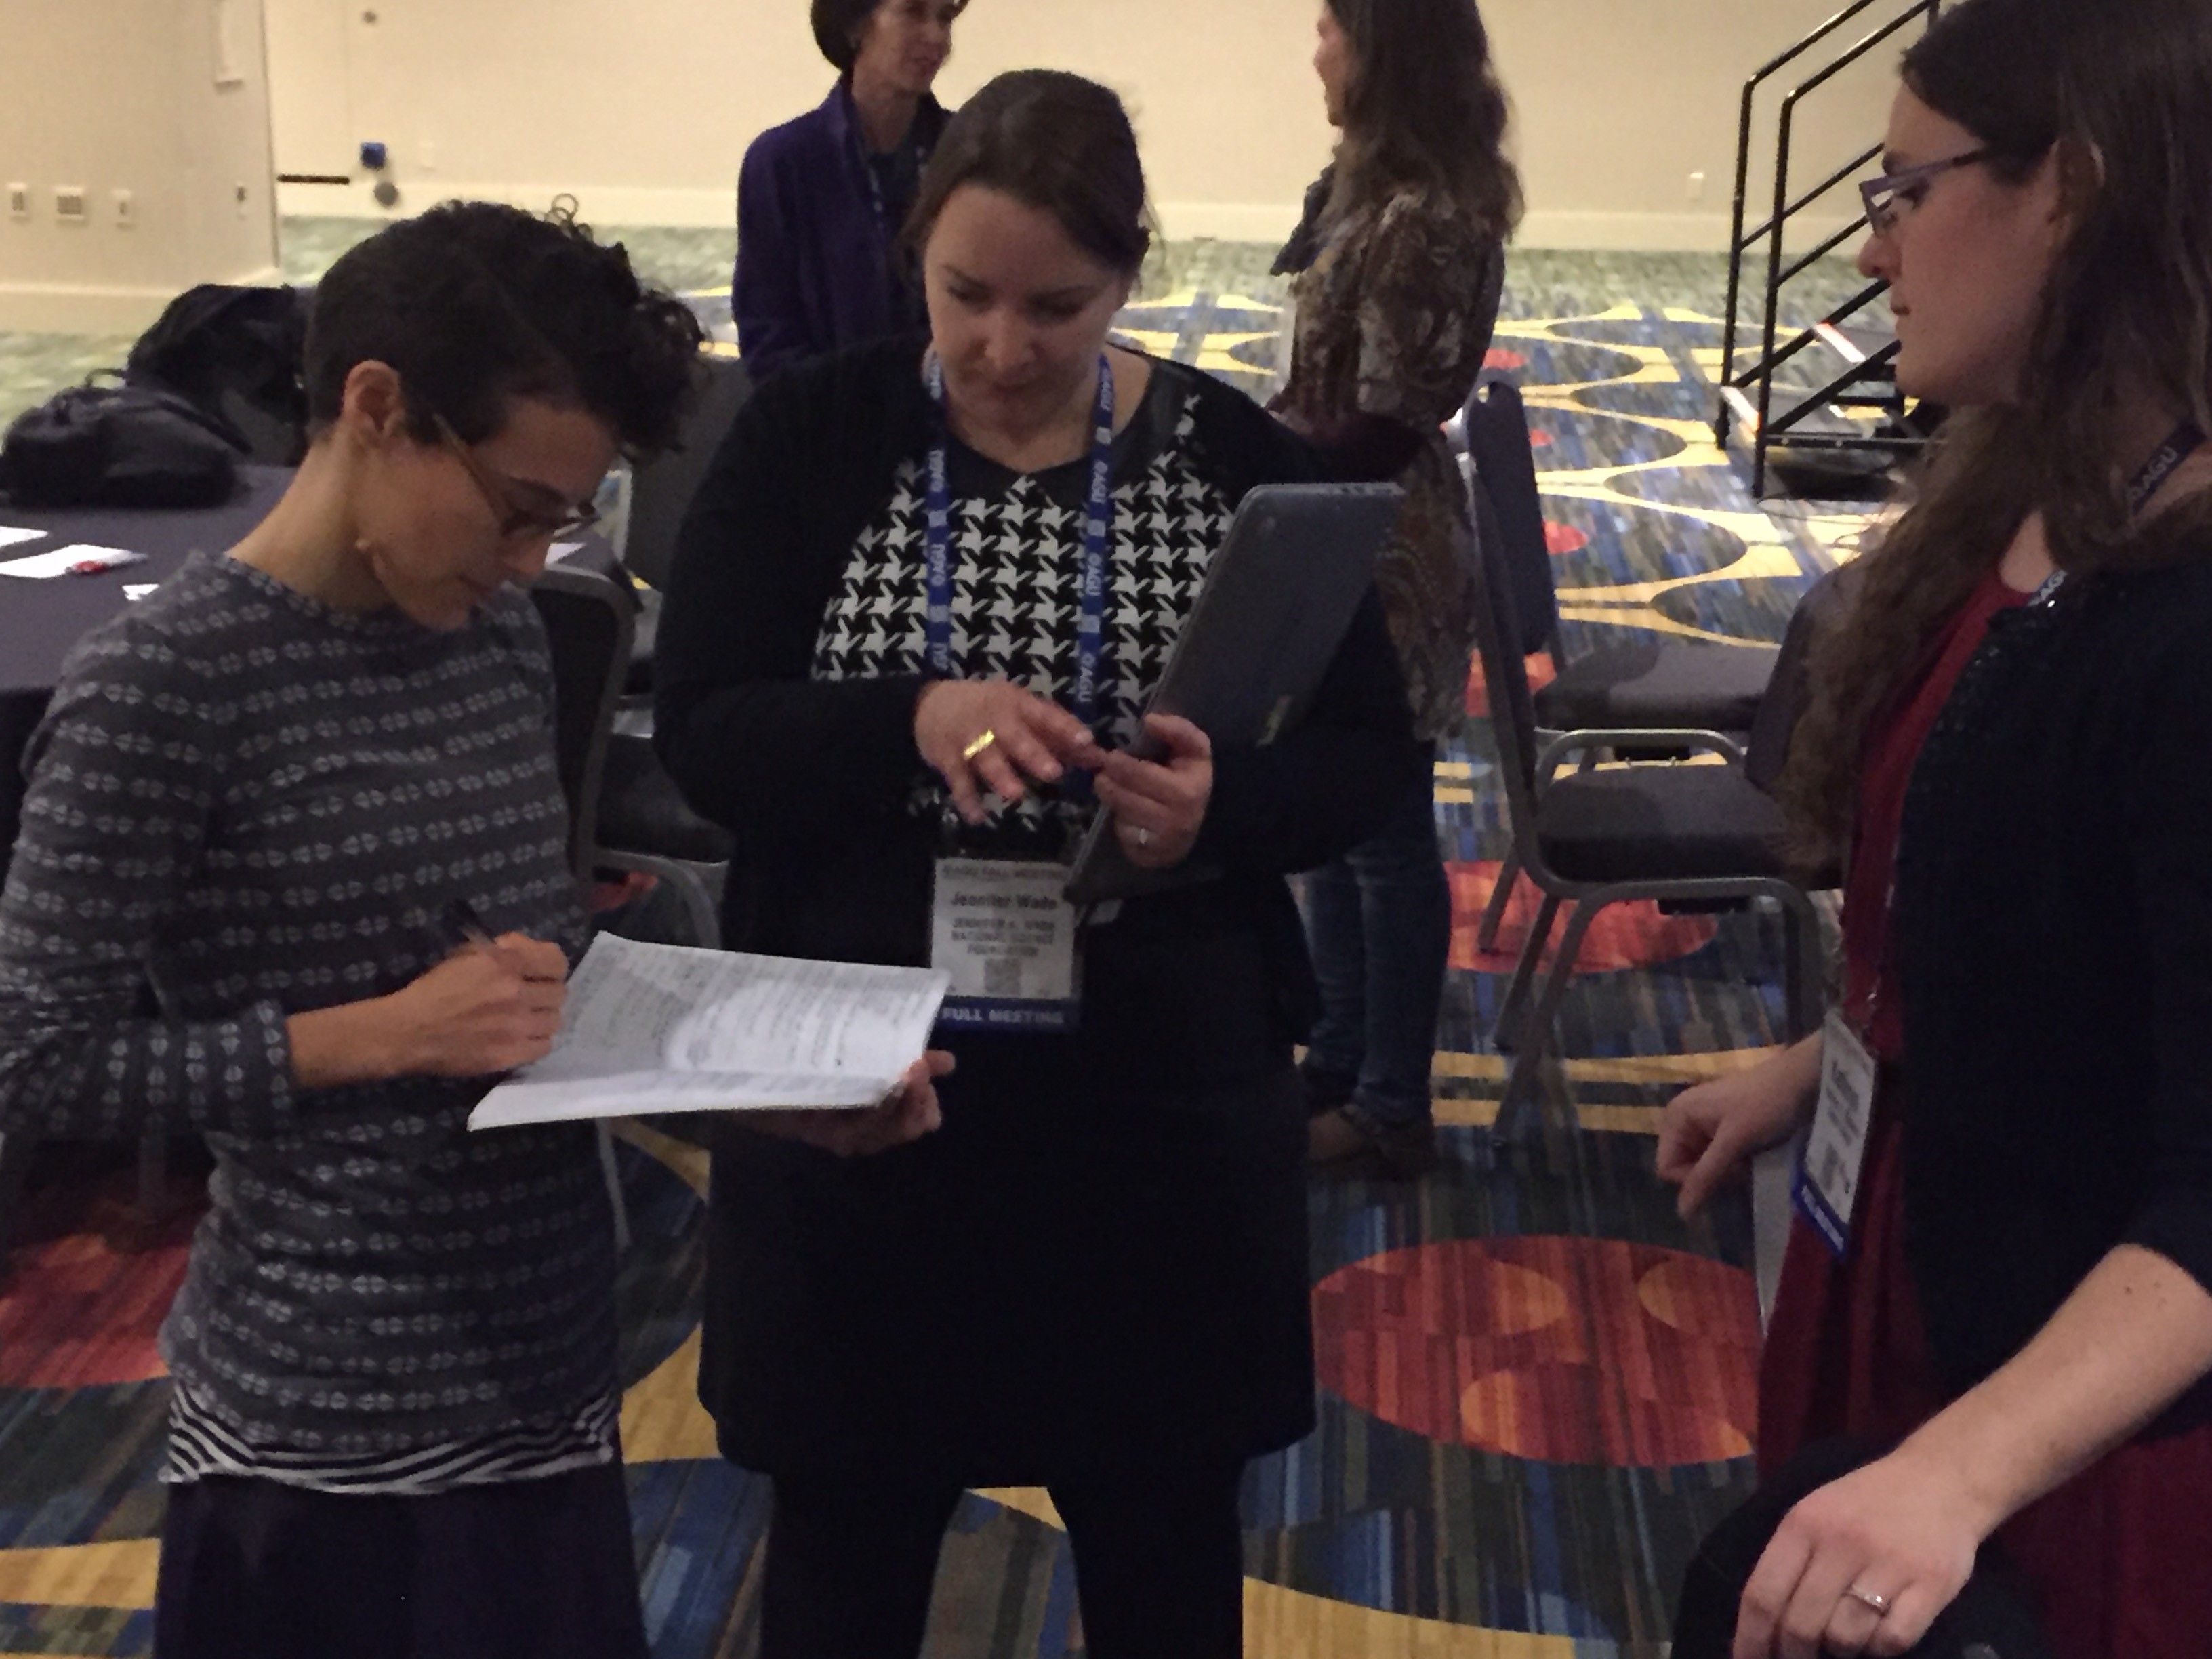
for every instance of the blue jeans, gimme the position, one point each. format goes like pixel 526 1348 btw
pixel 1378 921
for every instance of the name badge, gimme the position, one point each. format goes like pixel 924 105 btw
pixel 1835 1153
pixel 1001 930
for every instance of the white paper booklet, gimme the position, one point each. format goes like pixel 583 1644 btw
pixel 663 1028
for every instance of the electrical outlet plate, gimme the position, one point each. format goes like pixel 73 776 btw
pixel 69 203
pixel 19 201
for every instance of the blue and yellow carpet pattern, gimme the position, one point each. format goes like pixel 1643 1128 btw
pixel 1537 1384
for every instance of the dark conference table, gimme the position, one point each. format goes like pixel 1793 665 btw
pixel 39 621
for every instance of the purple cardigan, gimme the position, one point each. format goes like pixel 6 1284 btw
pixel 814 267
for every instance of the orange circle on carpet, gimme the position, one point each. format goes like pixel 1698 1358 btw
pixel 1498 358
pixel 1561 539
pixel 1538 668
pixel 1558 1350
pixel 80 1311
pixel 1635 934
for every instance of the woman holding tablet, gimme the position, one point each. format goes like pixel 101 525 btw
pixel 915 619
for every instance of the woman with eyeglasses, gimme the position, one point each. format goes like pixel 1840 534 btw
pixel 821 198
pixel 294 874
pixel 2001 1277
pixel 1399 261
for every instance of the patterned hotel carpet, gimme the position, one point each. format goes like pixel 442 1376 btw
pixel 1537 1384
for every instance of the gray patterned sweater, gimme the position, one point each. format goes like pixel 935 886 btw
pixel 243 805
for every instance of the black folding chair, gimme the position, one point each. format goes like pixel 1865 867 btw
pixel 625 812
pixel 1652 830
pixel 660 494
pixel 1638 687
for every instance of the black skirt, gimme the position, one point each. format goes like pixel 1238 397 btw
pixel 1060 1275
pixel 522 1570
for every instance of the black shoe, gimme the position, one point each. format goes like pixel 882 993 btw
pixel 1347 1135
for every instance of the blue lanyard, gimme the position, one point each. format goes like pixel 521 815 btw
pixel 881 209
pixel 2185 441
pixel 1097 533
pixel 2163 464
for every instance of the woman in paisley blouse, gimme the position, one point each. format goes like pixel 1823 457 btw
pixel 1400 264
pixel 1094 1278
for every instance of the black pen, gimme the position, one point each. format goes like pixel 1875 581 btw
pixel 463 926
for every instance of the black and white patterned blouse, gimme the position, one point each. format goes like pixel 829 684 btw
pixel 1017 547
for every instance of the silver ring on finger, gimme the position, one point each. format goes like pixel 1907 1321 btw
pixel 1870 1598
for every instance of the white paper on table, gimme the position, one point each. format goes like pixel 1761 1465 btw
pixel 11 534
pixel 667 1028
pixel 56 561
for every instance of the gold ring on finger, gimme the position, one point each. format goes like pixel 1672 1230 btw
pixel 979 745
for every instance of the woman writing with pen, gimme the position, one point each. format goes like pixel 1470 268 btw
pixel 293 874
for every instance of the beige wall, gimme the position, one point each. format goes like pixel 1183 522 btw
pixel 643 108
pixel 1618 102
pixel 124 94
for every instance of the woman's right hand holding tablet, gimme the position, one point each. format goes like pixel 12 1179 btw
pixel 994 737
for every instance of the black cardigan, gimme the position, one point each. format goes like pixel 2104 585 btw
pixel 2054 917
pixel 813 778
pixel 1103 1254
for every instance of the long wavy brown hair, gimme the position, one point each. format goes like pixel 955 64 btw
pixel 1424 108
pixel 2122 91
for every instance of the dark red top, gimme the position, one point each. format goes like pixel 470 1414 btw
pixel 2116 1556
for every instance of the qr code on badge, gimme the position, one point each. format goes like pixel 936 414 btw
pixel 1830 1175
pixel 1002 976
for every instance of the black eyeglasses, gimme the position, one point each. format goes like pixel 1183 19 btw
pixel 514 522
pixel 1883 196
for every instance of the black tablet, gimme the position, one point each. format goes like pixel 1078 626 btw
pixel 1277 600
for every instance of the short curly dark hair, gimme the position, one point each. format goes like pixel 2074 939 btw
pixel 836 21
pixel 474 303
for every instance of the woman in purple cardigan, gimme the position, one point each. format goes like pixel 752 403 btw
pixel 821 198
